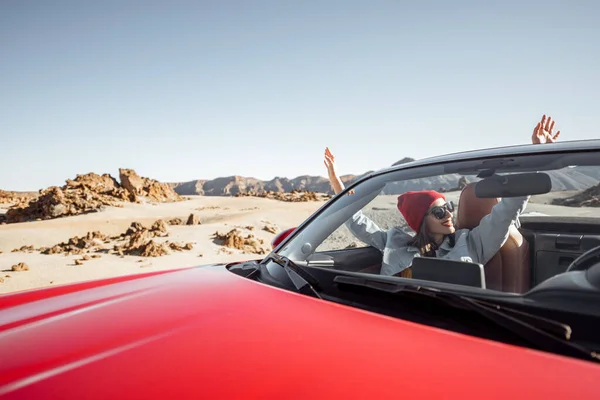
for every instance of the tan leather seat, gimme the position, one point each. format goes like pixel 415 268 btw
pixel 509 270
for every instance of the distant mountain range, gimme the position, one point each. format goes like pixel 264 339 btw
pixel 232 185
pixel 577 178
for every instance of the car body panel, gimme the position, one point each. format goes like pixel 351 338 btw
pixel 281 236
pixel 26 296
pixel 207 333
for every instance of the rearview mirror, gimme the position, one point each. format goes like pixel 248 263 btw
pixel 514 185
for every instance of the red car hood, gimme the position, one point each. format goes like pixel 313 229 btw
pixel 207 333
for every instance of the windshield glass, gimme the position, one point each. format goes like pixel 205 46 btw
pixel 433 213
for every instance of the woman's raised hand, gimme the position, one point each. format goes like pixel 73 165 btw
pixel 330 163
pixel 334 179
pixel 542 133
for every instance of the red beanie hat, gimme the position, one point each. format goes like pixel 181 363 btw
pixel 414 206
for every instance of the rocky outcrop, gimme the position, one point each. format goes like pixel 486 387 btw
pixel 193 219
pixel 587 198
pixel 90 193
pixel 138 186
pixel 270 229
pixel 175 221
pixel 20 267
pixel 8 197
pixel 294 196
pixel 141 241
pixel 86 193
pixel 98 184
pixel 24 249
pixel 236 240
pixel 91 242
pixel 137 240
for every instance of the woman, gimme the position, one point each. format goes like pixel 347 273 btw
pixel 430 216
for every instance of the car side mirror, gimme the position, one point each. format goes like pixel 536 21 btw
pixel 281 236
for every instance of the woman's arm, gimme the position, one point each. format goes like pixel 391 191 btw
pixel 336 183
pixel 492 232
pixel 359 224
pixel 486 239
pixel 367 231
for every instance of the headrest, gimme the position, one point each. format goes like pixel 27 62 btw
pixel 472 209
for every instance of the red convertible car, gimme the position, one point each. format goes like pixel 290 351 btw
pixel 321 317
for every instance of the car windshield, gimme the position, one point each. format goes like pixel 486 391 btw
pixel 511 244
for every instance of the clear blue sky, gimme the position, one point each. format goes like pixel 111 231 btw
pixel 201 89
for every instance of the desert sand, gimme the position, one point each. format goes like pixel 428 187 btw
pixel 215 214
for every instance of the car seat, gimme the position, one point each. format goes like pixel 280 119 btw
pixel 510 269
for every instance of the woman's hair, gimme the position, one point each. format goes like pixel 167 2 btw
pixel 423 242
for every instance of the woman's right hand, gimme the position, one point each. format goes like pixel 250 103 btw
pixel 334 179
pixel 542 133
pixel 330 163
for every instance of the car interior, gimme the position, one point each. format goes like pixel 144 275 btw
pixel 541 247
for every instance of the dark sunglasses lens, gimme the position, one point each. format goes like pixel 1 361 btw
pixel 438 212
pixel 450 206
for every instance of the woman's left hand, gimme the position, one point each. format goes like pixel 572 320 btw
pixel 542 133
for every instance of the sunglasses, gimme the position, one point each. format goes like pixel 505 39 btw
pixel 439 212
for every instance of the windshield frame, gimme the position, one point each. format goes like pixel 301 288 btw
pixel 571 148
pixel 342 206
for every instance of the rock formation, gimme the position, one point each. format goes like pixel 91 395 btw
pixel 293 196
pixel 236 240
pixel 7 197
pixel 587 198
pixel 90 193
pixel 193 219
pixel 145 187
pixel 20 267
pixel 137 240
pixel 91 242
